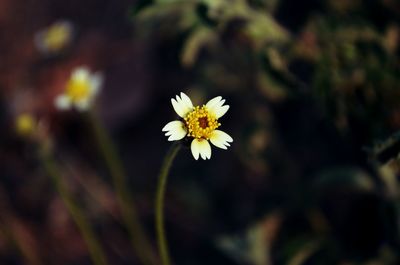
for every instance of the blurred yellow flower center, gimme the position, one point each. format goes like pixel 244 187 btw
pixel 25 124
pixel 201 123
pixel 77 89
pixel 56 37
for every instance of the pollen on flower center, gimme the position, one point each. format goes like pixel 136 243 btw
pixel 201 123
pixel 77 89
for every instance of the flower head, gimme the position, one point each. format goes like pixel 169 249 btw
pixel 25 124
pixel 199 123
pixel 54 38
pixel 80 90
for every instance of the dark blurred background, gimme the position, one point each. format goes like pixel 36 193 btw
pixel 314 94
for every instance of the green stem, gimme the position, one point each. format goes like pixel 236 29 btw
pixel 139 240
pixel 83 225
pixel 159 207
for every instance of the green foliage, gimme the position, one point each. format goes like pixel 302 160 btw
pixel 341 63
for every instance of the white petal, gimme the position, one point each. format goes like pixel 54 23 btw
pixel 96 81
pixel 187 101
pixel 81 73
pixel 175 130
pixel 217 107
pixel 220 139
pixel 39 42
pixel 170 125
pixel 177 107
pixel 213 101
pixel 182 105
pixel 62 102
pixel 66 25
pixel 220 111
pixel 83 105
pixel 201 147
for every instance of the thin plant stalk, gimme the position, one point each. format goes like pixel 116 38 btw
pixel 94 247
pixel 159 207
pixel 139 240
pixel 12 229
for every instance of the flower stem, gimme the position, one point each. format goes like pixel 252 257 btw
pixel 139 240
pixel 88 234
pixel 159 207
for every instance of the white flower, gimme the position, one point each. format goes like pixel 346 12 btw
pixel 80 90
pixel 54 38
pixel 199 123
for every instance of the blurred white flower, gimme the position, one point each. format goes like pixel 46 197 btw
pixel 80 90
pixel 55 38
pixel 199 123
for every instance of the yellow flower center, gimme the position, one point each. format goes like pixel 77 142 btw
pixel 25 124
pixel 201 123
pixel 77 90
pixel 56 37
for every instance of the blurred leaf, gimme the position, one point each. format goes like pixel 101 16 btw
pixel 304 253
pixel 384 151
pixel 387 256
pixel 260 25
pixel 392 38
pixel 271 88
pixel 270 5
pixel 346 177
pixel 298 249
pixel 176 16
pixel 139 5
pixel 254 245
pixel 263 29
pixel 388 173
pixel 276 60
pixel 198 39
